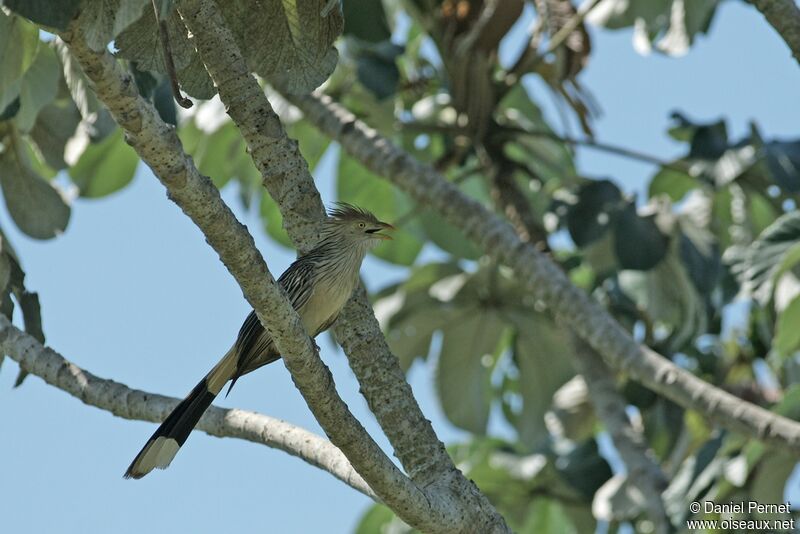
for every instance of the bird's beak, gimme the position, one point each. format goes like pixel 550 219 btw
pixel 384 226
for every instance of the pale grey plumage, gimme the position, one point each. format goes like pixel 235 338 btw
pixel 318 285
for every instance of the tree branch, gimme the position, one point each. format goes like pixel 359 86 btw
pixel 287 179
pixel 587 318
pixel 135 404
pixel 784 16
pixel 159 147
pixel 610 406
pixel 643 469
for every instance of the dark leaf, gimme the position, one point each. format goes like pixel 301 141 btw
pixel 53 13
pixel 19 41
pixel 287 42
pixel 366 20
pixel 11 110
pixel 638 243
pixel 783 161
pixel 589 218
pixel 102 20
pixel 36 207
pixel 377 70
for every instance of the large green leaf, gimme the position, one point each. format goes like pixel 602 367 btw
pixel 448 238
pixel 540 354
pixel 287 42
pixel 105 167
pixel 139 42
pixel 465 362
pixel 53 13
pixel 19 41
pixel 39 87
pixel 667 297
pixel 356 185
pixel 55 125
pixel 102 20
pixel 36 207
pixel 762 262
pixel 366 20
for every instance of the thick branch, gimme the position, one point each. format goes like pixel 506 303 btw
pixel 784 16
pixel 570 305
pixel 643 469
pixel 159 147
pixel 128 403
pixel 286 177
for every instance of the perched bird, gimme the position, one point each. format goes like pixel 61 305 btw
pixel 318 284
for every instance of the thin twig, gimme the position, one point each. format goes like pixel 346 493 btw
pixel 163 37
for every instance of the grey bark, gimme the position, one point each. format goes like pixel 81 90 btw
pixel 286 177
pixel 587 318
pixel 158 146
pixel 784 16
pixel 128 403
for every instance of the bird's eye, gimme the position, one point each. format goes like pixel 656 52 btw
pixel 361 225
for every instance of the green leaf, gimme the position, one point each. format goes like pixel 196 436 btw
pixel 102 20
pixel 273 220
pixel 376 68
pixel 105 167
pixel 39 87
pixel 465 362
pixel 55 125
pixel 539 354
pixel 787 330
pixel 19 40
pixel 290 43
pixel 366 20
pixel 672 183
pixel 356 185
pixel 589 218
pixel 769 482
pixel 36 207
pixel 447 237
pixel 668 297
pixel 380 519
pixel 763 260
pixel 638 243
pixel 783 162
pixel 313 143
pixel 139 42
pixel 53 13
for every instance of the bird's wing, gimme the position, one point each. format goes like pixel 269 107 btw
pixel 254 345
pixel 298 282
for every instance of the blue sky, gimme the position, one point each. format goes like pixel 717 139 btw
pixel 132 292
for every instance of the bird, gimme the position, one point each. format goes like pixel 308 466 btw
pixel 318 284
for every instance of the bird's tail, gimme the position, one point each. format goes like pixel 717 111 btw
pixel 164 444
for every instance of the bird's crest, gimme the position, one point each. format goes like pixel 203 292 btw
pixel 347 212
